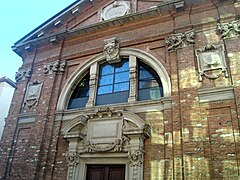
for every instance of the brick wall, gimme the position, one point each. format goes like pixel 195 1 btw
pixel 192 140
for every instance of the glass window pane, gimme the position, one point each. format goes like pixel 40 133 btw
pixel 149 94
pixel 82 92
pixel 121 77
pixel 107 69
pixel 123 67
pixel 105 89
pixel 146 83
pixel 144 74
pixel 121 87
pixel 104 80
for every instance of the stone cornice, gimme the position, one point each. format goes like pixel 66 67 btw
pixel 137 107
pixel 158 10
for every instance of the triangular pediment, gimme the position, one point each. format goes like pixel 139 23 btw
pixel 90 15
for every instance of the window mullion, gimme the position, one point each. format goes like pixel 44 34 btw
pixel 132 78
pixel 92 85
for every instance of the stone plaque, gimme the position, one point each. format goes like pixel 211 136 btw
pixel 117 9
pixel 211 61
pixel 33 93
pixel 104 131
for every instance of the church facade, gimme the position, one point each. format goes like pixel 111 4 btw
pixel 128 90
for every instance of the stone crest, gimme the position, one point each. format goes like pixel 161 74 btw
pixel 180 40
pixel 112 50
pixel 211 61
pixel 56 66
pixel 22 74
pixel 116 9
pixel 33 93
pixel 229 30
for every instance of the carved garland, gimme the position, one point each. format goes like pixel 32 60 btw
pixel 56 66
pixel 22 74
pixel 116 146
pixel 229 30
pixel 180 40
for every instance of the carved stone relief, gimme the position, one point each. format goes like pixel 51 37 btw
pixel 135 157
pixel 33 93
pixel 116 9
pixel 56 66
pixel 180 40
pixel 22 74
pixel 211 61
pixel 229 30
pixel 112 50
pixel 107 133
pixel 72 161
pixel 116 146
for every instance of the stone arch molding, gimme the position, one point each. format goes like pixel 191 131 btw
pixel 90 142
pixel 146 57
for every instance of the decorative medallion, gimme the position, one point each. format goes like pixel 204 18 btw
pixel 116 9
pixel 33 93
pixel 211 61
pixel 56 66
pixel 180 40
pixel 229 30
pixel 22 74
pixel 112 50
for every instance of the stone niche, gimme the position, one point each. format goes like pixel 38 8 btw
pixel 106 137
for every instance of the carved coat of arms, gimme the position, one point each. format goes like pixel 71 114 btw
pixel 112 51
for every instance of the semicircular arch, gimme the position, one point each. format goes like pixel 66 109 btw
pixel 147 58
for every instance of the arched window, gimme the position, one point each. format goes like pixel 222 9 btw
pixel 80 95
pixel 131 80
pixel 113 83
pixel 149 84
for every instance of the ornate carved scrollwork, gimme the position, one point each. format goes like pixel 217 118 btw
pixel 211 61
pixel 56 66
pixel 230 29
pixel 116 146
pixel 112 50
pixel 72 161
pixel 180 40
pixel 136 157
pixel 104 112
pixel 22 74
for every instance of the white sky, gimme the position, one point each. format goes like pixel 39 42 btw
pixel 17 19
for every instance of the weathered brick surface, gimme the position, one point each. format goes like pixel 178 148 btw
pixel 191 140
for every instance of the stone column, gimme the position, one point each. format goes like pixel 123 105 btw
pixel 132 78
pixel 92 85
